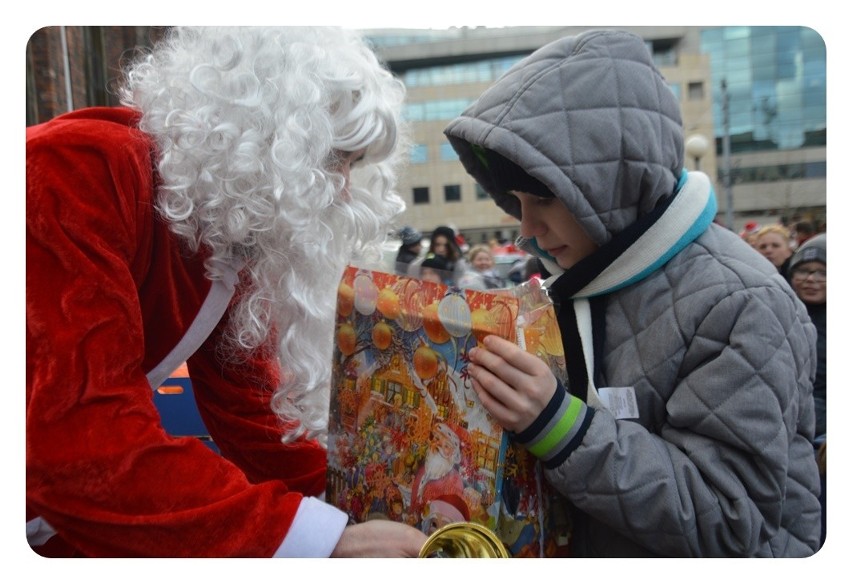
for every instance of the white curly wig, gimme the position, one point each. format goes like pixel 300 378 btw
pixel 248 121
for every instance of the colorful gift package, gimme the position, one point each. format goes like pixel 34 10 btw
pixel 408 438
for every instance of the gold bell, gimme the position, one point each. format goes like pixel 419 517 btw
pixel 463 540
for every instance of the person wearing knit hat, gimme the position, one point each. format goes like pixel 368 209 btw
pixel 443 242
pixel 749 233
pixel 683 426
pixel 409 250
pixel 808 275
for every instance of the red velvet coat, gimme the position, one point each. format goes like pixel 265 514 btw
pixel 110 292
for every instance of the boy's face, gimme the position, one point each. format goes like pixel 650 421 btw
pixel 554 228
pixel 809 282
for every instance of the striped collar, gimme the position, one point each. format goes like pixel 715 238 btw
pixel 642 248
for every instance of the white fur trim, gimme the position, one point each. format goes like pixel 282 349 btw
pixel 315 531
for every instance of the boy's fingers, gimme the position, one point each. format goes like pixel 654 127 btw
pixel 513 355
pixel 493 385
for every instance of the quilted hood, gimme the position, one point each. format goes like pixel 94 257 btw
pixel 591 118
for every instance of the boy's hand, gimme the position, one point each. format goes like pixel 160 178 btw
pixel 513 385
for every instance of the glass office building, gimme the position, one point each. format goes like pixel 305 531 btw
pixel 775 80
pixel 758 93
pixel 772 109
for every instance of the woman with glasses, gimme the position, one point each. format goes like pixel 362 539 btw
pixel 808 278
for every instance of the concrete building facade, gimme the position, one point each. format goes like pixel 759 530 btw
pixel 774 123
pixel 445 70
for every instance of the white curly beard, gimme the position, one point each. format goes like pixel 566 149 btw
pixel 304 303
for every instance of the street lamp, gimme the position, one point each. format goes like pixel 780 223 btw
pixel 697 146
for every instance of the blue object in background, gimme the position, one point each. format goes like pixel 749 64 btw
pixel 178 411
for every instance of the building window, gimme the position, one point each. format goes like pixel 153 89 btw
pixel 439 109
pixel 420 195
pixel 476 72
pixel 419 154
pixel 778 172
pixel 695 90
pixel 481 193
pixel 452 193
pixel 447 152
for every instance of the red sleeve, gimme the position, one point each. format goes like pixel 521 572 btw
pixel 100 468
pixel 234 401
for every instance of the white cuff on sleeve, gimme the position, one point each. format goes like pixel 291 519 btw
pixel 315 530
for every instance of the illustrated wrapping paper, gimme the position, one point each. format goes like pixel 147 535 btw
pixel 408 438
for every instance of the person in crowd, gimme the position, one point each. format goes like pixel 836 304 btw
pixel 803 231
pixel 773 242
pixel 808 277
pixel 207 220
pixel 411 244
pixel 684 425
pixel 481 274
pixel 434 268
pixel 443 243
pixel 749 233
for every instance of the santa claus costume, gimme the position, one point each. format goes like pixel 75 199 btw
pixel 155 235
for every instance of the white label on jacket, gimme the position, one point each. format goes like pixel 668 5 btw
pixel 619 401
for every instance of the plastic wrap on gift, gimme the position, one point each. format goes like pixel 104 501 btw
pixel 408 438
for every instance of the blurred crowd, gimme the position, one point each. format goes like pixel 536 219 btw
pixel 445 256
pixel 798 250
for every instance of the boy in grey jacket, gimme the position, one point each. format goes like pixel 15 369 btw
pixel 684 426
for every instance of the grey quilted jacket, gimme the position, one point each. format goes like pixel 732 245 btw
pixel 719 352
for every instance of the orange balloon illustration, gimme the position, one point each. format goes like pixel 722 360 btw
pixel 346 339
pixel 345 299
pixel 382 335
pixel 388 303
pixel 425 362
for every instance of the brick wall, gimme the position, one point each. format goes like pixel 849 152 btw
pixel 86 73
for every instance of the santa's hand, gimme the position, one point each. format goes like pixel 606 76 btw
pixel 379 538
pixel 513 385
